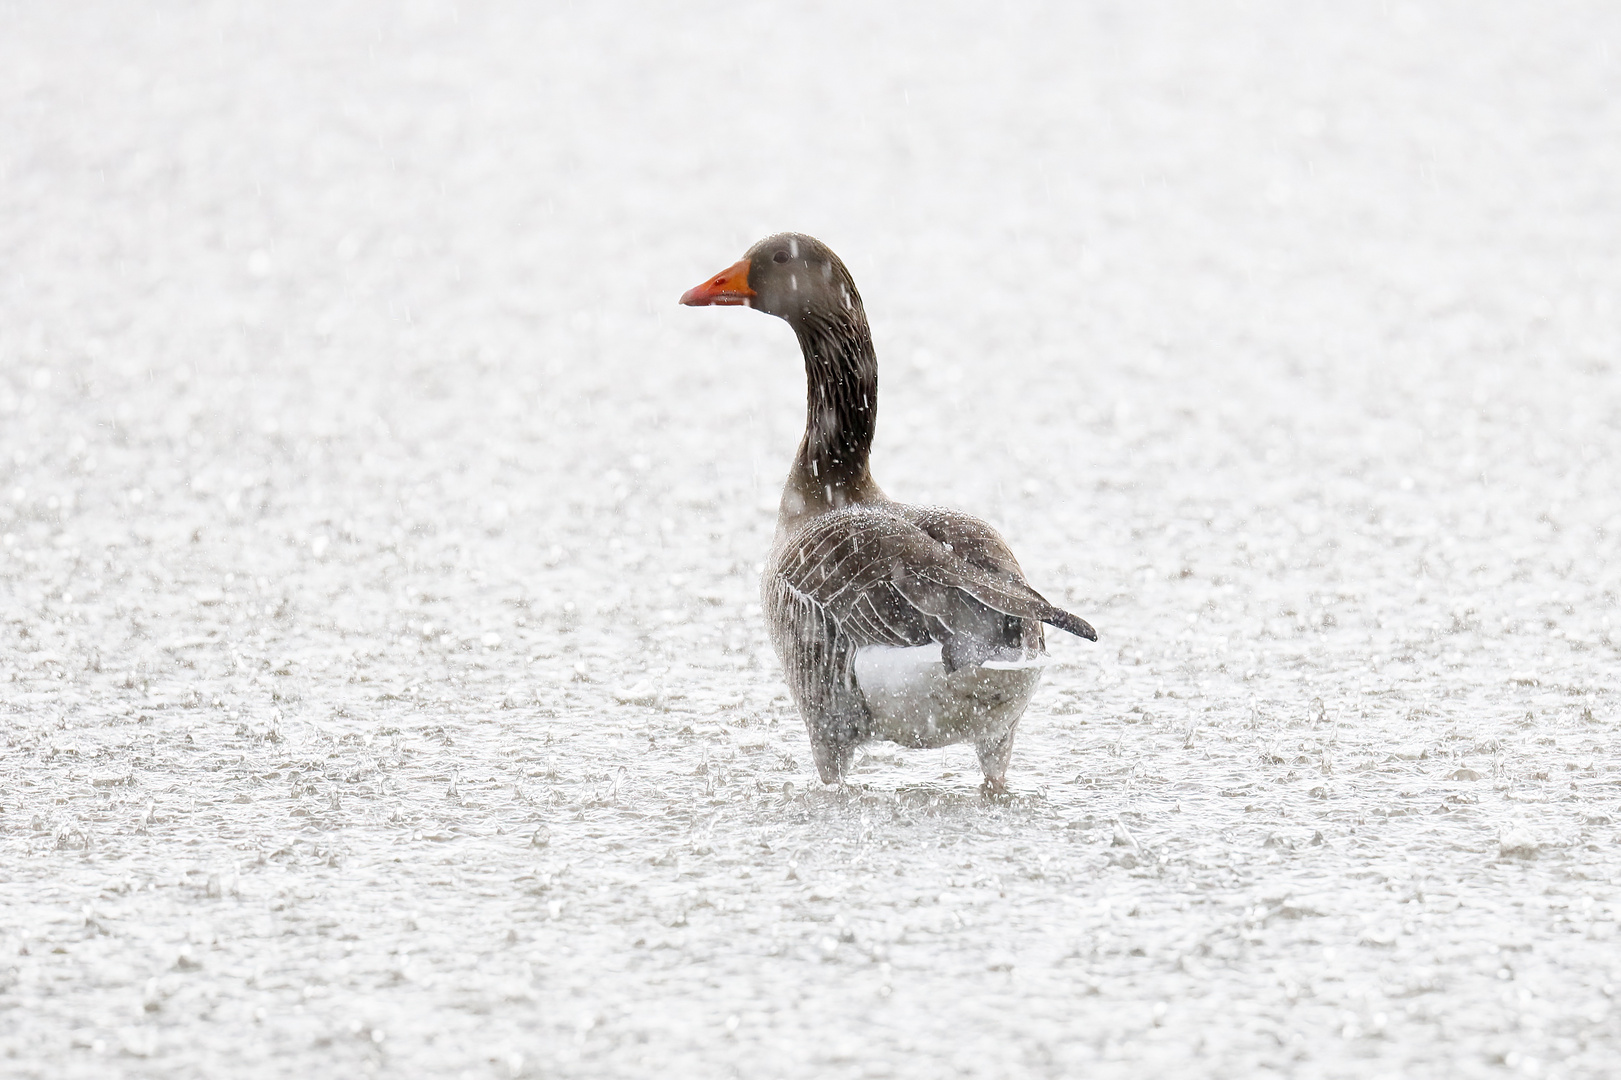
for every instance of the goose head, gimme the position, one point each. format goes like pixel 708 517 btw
pixel 790 275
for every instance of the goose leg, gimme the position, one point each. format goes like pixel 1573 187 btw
pixel 831 754
pixel 993 760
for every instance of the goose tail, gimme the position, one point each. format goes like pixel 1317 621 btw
pixel 1074 624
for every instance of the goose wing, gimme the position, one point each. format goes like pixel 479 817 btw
pixel 982 546
pixel 885 579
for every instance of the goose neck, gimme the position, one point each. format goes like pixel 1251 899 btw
pixel 841 412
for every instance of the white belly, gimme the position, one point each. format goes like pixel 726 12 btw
pixel 914 701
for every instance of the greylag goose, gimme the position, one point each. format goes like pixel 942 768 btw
pixel 911 624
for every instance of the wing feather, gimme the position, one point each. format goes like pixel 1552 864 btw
pixel 884 579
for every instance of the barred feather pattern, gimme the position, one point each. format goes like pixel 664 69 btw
pixel 878 574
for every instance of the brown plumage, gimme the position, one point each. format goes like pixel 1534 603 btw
pixel 897 622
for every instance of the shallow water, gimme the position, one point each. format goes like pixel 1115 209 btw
pixel 383 679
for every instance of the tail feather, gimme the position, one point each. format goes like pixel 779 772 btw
pixel 1074 624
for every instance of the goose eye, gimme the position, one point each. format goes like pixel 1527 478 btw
pixel 781 256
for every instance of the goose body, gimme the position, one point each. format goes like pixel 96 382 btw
pixel 892 622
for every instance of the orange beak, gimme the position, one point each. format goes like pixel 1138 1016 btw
pixel 730 287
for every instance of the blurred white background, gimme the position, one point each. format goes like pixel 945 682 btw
pixel 382 682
